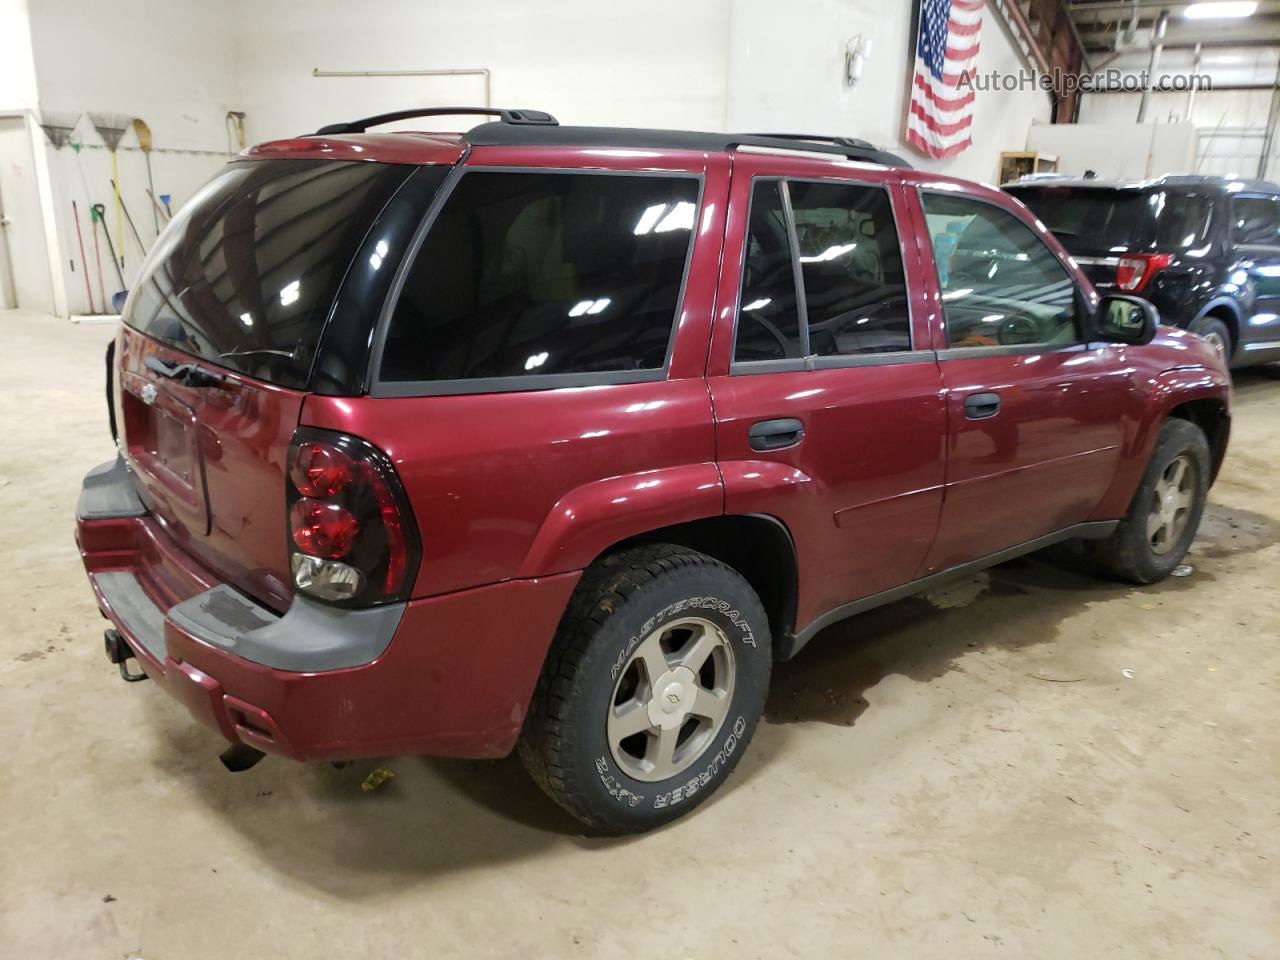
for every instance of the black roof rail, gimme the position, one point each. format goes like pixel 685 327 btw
pixel 819 138
pixel 504 134
pixel 529 117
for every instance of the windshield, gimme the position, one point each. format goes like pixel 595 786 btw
pixel 246 273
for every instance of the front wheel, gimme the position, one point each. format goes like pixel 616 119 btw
pixel 652 690
pixel 1216 332
pixel 1165 511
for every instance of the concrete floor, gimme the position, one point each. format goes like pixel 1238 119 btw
pixel 972 775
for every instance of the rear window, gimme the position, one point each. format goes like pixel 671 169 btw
pixel 1097 220
pixel 533 275
pixel 1088 216
pixel 246 274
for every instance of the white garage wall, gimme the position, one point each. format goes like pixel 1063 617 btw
pixel 786 70
pixel 17 68
pixel 658 63
pixel 1231 123
pixel 698 64
pixel 173 65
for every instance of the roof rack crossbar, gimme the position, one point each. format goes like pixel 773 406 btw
pixel 504 115
pixel 508 135
pixel 818 138
pixel 847 147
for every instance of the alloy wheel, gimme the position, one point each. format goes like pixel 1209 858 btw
pixel 1171 504
pixel 671 699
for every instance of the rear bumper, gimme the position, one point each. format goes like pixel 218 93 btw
pixel 449 675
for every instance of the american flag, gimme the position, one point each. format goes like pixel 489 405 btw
pixel 941 112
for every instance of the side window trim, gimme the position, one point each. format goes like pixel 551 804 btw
pixel 378 387
pixel 997 350
pixel 797 273
pixel 808 360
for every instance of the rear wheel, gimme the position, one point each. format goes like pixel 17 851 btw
pixel 1216 332
pixel 1165 511
pixel 652 690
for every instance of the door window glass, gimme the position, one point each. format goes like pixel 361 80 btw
pixel 768 314
pixel 1001 285
pixel 855 293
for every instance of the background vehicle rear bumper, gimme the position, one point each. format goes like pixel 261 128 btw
pixel 448 675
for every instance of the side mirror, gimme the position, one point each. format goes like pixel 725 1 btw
pixel 1123 319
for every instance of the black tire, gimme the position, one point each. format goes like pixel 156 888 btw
pixel 1215 331
pixel 622 600
pixel 1128 554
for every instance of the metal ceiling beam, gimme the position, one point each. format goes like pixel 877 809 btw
pixel 1253 43
pixel 1123 9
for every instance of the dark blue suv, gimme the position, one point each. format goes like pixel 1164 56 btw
pixel 1204 250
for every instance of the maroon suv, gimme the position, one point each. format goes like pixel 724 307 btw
pixel 557 437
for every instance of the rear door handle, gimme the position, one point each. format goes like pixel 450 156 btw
pixel 981 406
pixel 775 434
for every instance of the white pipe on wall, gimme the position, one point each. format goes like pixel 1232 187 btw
pixel 473 72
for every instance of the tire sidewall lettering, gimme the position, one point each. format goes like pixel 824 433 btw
pixel 746 634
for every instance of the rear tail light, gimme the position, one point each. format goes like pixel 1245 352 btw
pixel 1135 271
pixel 352 538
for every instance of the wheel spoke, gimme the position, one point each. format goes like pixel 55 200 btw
pixel 661 749
pixel 697 650
pixel 709 704
pixel 655 661
pixel 1178 472
pixel 627 721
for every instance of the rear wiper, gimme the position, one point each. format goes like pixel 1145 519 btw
pixel 287 354
pixel 187 374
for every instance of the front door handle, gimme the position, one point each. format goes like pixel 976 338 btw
pixel 981 406
pixel 775 434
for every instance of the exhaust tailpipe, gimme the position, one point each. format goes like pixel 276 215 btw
pixel 237 758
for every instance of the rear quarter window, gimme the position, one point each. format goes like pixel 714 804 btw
pixel 539 275
pixel 246 274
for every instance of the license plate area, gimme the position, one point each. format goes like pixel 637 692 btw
pixel 162 440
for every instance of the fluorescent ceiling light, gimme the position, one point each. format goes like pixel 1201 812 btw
pixel 1220 11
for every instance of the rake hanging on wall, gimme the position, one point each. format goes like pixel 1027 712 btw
pixel 111 128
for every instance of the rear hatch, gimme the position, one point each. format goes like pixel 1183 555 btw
pixel 221 333
pixel 1097 225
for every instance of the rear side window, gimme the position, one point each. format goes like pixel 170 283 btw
pixel 1183 220
pixel 1255 220
pixel 852 298
pixel 536 274
pixel 246 274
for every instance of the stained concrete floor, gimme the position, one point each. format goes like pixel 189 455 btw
pixel 971 775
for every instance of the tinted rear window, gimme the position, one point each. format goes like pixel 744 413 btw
pixel 1089 216
pixel 246 274
pixel 536 274
pixel 1097 220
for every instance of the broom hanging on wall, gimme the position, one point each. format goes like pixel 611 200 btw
pixel 144 143
pixel 111 128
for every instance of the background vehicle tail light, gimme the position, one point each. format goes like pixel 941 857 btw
pixel 1135 271
pixel 352 537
